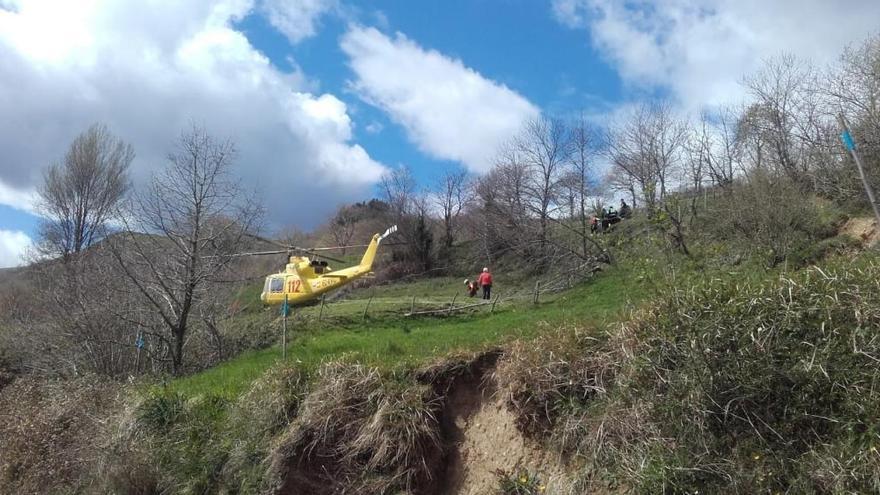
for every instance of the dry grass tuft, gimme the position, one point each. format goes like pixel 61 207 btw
pixel 255 419
pixel 359 433
pixel 52 431
pixel 553 378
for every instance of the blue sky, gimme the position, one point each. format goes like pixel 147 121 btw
pixel 323 96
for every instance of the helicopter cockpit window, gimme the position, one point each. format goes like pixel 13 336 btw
pixel 276 285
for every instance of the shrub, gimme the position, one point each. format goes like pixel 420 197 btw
pixel 765 215
pixel 742 388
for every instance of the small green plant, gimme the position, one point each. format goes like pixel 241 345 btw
pixel 161 408
pixel 518 482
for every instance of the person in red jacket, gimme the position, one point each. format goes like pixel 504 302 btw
pixel 485 281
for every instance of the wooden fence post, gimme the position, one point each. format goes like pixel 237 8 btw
pixel 284 310
pixel 537 291
pixel 367 308
pixel 452 304
pixel 321 312
pixel 497 297
pixel 412 305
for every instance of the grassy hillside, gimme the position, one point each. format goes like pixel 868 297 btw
pixel 396 342
pixel 192 430
pixel 603 376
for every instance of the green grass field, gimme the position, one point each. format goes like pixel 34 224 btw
pixel 390 341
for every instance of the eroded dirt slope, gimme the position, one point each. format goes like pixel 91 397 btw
pixel 482 438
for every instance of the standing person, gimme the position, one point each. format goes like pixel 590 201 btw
pixel 625 210
pixel 485 282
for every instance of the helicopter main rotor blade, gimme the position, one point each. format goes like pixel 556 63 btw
pixel 319 255
pixel 256 253
pixel 269 241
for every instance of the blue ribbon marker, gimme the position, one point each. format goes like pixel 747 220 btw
pixel 847 140
pixel 140 342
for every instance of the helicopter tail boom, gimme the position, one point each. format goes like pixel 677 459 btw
pixel 370 254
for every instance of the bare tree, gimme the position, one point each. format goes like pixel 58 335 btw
pixel 585 142
pixel 714 143
pixel 408 209
pixel 700 162
pixel 420 237
pixel 646 147
pixel 450 196
pixel 544 147
pixel 777 118
pixel 614 180
pixel 398 189
pixel 853 87
pixel 180 232
pixel 78 196
pixel 342 226
pixel 502 219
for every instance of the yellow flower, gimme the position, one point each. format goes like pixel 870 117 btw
pixel 523 479
pixel 541 488
pixel 756 456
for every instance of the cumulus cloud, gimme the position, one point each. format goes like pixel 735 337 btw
pixel 701 49
pixel 449 110
pixel 148 70
pixel 13 245
pixel 297 19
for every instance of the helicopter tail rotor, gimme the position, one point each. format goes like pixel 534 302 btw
pixel 388 232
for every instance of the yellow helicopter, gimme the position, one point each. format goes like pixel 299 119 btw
pixel 305 279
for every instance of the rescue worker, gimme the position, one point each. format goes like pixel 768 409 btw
pixel 471 287
pixel 485 281
pixel 625 210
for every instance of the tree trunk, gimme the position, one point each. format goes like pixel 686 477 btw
pixel 177 352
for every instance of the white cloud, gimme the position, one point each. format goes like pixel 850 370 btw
pixel 13 245
pixel 448 110
pixel 701 49
pixel 297 19
pixel 24 200
pixel 374 127
pixel 147 70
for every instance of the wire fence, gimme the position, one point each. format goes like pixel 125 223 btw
pixel 434 305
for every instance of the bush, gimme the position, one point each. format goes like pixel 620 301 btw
pixel 818 251
pixel 742 388
pixel 766 216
